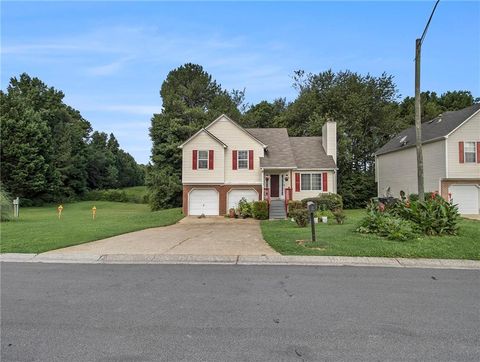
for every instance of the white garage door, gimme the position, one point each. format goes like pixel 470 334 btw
pixel 234 196
pixel 203 201
pixel 466 197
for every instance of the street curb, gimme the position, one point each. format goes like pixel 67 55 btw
pixel 240 260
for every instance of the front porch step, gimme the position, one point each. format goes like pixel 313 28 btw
pixel 277 210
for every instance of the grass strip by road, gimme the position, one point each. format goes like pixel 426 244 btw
pixel 342 240
pixel 39 229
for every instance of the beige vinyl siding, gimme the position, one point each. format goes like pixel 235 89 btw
pixel 237 139
pixel 304 194
pixel 398 170
pixel 329 139
pixel 203 142
pixel 469 131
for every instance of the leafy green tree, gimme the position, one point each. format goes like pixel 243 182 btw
pixel 164 187
pixel 264 114
pixel 30 104
pixel 45 152
pixel 455 100
pixel 366 113
pixel 432 105
pixel 24 143
pixel 101 168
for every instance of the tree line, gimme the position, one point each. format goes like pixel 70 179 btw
pixel 48 151
pixel 368 111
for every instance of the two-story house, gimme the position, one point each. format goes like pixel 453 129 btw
pixel 451 159
pixel 224 162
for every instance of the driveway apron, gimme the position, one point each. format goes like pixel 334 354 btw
pixel 191 236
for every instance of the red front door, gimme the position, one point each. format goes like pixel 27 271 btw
pixel 274 185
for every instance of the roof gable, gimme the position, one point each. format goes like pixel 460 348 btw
pixel 203 130
pixel 223 116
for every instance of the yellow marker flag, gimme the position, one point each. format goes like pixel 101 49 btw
pixel 59 210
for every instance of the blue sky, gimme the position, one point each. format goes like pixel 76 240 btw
pixel 110 58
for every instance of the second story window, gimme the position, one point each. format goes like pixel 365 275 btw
pixel 242 159
pixel 202 160
pixel 470 154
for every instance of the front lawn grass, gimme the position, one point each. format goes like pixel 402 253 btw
pixel 38 229
pixel 342 240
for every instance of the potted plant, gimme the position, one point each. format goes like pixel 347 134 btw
pixel 324 215
pixel 231 213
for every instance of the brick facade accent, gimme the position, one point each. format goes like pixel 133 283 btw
pixel 446 183
pixel 222 191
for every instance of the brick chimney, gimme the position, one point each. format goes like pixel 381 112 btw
pixel 329 139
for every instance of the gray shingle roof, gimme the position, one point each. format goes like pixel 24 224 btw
pixel 285 151
pixel 309 153
pixel 434 129
pixel 279 152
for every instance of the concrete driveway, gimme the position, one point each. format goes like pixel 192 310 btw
pixel 191 236
pixel 472 216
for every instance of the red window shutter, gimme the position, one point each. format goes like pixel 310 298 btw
pixel 461 155
pixel 194 159
pixel 324 182
pixel 478 152
pixel 234 160
pixel 297 182
pixel 210 159
pixel 250 160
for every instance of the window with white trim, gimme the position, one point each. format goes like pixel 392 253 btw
pixel 311 181
pixel 470 153
pixel 202 160
pixel 242 159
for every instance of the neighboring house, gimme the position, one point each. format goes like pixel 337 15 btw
pixel 225 162
pixel 451 159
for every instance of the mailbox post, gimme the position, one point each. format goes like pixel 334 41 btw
pixel 311 210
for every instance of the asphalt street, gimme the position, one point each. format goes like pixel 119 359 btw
pixel 81 312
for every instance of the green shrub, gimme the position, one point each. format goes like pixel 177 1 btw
pixel 245 208
pixel 414 197
pixel 117 195
pixel 164 189
pixel 434 216
pixel 339 215
pixel 260 210
pixel 295 205
pixel 326 201
pixel 300 216
pixel 6 207
pixel 327 213
pixel 107 195
pixel 387 225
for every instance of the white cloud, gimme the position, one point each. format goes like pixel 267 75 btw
pixel 104 51
pixel 109 69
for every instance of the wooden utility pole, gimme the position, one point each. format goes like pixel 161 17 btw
pixel 418 121
pixel 418 109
